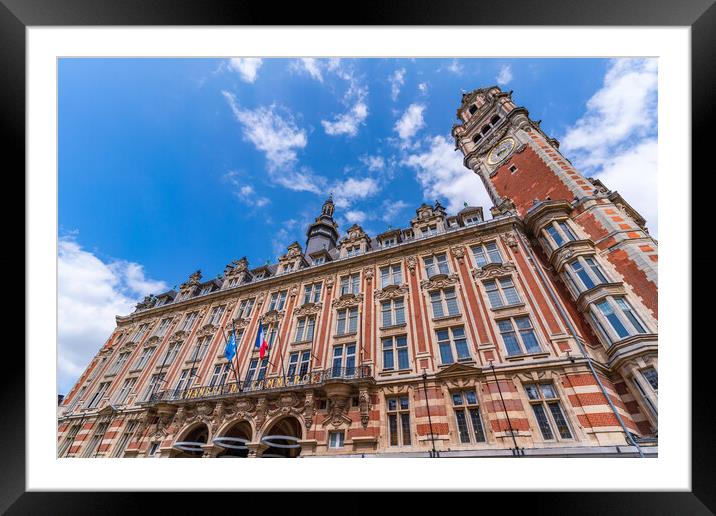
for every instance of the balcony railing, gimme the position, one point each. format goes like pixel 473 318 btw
pixel 314 378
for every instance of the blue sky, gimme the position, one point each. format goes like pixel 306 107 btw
pixel 171 165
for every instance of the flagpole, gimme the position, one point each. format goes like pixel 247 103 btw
pixel 236 355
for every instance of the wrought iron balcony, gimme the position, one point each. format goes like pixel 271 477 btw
pixel 312 379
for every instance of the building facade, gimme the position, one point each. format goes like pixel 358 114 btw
pixel 531 333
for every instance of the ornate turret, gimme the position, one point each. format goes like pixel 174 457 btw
pixel 323 233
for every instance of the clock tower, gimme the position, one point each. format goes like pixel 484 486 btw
pixel 525 174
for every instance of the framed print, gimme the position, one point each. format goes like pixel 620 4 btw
pixel 377 248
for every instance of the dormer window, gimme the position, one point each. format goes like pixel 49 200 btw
pixel 319 260
pixel 473 109
pixel 429 230
pixel 472 219
pixel 353 251
pixel 232 282
pixel 389 242
pixel 161 301
pixel 205 290
pixel 260 275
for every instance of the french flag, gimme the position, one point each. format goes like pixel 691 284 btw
pixel 261 341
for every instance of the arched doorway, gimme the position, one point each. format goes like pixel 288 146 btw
pixel 282 438
pixel 190 446
pixel 233 440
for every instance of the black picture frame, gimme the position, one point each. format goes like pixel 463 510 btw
pixel 699 15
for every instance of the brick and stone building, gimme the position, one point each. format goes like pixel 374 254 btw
pixel 531 333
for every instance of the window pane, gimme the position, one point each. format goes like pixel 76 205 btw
pixel 451 300
pixel 445 353
pixel 559 420
pixel 652 377
pixel 462 426
pixel 532 392
pixel 405 423
pixel 542 421
pixel 461 348
pixel 494 253
pixel 457 398
pixel 614 321
pixel 555 235
pixel 471 398
pixel 403 362
pixel 477 425
pixel 388 354
pixel 627 310
pixel 393 429
pixel 479 254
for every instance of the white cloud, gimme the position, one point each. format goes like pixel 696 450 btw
pixel 423 88
pixel 347 123
pixel 411 122
pixel 391 208
pixel 351 190
pixel 91 292
pixel 245 192
pixel 247 67
pixel 505 75
pixel 278 137
pixel 619 127
pixel 374 163
pixel 455 67
pixel 396 82
pixel 441 174
pixel 355 216
pixel 311 66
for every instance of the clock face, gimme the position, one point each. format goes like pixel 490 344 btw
pixel 501 150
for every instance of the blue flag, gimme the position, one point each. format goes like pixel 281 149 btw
pixel 230 350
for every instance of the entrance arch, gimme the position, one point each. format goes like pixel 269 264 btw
pixel 282 438
pixel 237 433
pixel 188 445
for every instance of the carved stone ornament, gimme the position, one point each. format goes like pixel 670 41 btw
pixel 364 406
pixel 309 410
pixel 348 300
pixel 241 322
pixel 440 281
pixel 368 273
pixel 338 412
pixel 509 239
pixel 329 282
pixel 492 270
pixel 260 413
pixel 392 292
pixel 161 427
pixel 286 404
pixel 207 329
pixel 193 280
pixel 244 408
pixel 308 309
pixel 412 264
pixel 178 335
pixel 271 317
pixel 458 252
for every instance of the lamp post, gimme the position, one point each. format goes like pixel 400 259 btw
pixel 517 450
pixel 434 452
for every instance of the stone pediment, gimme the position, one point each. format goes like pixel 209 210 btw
pixel 152 340
pixel 308 309
pixel 272 316
pixel 207 329
pixel 347 300
pixel 440 281
pixel 391 291
pixel 178 335
pixel 458 371
pixel 493 270
pixel 241 322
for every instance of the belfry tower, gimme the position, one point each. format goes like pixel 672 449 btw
pixel 323 233
pixel 525 173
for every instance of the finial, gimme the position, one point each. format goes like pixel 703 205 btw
pixel 464 203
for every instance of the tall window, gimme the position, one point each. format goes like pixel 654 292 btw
pixel 186 379
pixel 350 284
pixel 312 293
pixel 156 384
pixel 304 329
pixel 221 372
pixel 587 273
pixel 336 439
pixel 344 360
pixel 78 397
pixel 395 347
pixel 548 411
pixel 139 334
pixel 188 321
pixel 452 343
pixel 644 396
pixel 119 363
pixel 121 445
pixel 253 365
pixel 560 232
pixel 101 390
pixel 144 357
pixel 616 319
pixel 298 363
pixel 69 439
pixel 398 421
pixel 245 308
pixel 163 327
pixel 486 253
pixel 521 340
pixel 278 300
pixel 444 302
pixel 436 264
pixel 391 275
pixel 200 349
pixel 216 313
pixel 125 390
pixel 651 376
pixel 347 321
pixel 501 292
pixel 93 445
pixel 467 415
pixel 393 312
pixel 171 353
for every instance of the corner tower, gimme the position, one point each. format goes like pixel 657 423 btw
pixel 323 233
pixel 523 171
